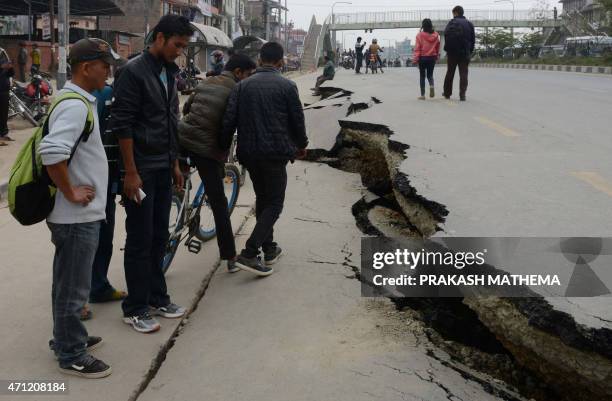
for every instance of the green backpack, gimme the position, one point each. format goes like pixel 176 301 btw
pixel 31 193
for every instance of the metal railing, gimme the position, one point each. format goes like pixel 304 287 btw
pixel 440 15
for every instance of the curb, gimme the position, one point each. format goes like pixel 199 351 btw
pixel 549 67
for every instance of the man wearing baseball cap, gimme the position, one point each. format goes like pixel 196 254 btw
pixel 74 156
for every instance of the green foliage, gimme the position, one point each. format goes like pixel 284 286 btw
pixel 552 60
pixel 530 43
pixel 607 4
pixel 497 39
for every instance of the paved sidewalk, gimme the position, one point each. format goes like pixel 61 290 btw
pixel 26 310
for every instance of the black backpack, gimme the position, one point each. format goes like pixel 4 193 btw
pixel 455 39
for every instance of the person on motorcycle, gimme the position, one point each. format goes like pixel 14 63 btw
pixel 217 63
pixel 375 51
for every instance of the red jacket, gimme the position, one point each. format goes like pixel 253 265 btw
pixel 427 45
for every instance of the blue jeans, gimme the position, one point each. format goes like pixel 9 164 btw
pixel 147 234
pixel 75 248
pixel 426 67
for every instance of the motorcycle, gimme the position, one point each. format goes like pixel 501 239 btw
pixel 348 63
pixel 18 107
pixel 34 96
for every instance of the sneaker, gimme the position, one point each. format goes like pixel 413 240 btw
pixel 432 91
pixel 88 367
pixel 421 97
pixel 462 99
pixel 253 265
pixel 93 343
pixel 170 311
pixel 143 323
pixel 231 266
pixel 272 257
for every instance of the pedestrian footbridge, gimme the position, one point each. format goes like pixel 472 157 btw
pixel 320 36
pixel 413 19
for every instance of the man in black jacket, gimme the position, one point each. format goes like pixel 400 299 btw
pixel 459 45
pixel 144 119
pixel 267 112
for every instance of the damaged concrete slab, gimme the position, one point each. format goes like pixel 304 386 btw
pixel 305 333
pixel 497 170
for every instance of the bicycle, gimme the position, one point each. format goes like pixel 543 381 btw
pixel 186 219
pixel 18 107
pixel 233 159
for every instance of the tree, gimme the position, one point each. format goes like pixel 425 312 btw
pixel 607 5
pixel 530 43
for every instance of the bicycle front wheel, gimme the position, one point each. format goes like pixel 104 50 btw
pixel 231 185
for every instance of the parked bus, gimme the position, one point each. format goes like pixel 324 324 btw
pixel 588 46
pixel 551 51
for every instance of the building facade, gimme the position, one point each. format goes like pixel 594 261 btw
pixel 589 10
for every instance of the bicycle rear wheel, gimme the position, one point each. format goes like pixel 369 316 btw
pixel 231 184
pixel 176 222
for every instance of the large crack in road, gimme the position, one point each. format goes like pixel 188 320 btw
pixel 543 353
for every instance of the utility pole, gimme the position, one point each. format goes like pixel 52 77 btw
pixel 267 14
pixel 29 20
pixel 52 24
pixel 146 19
pixel 286 29
pixel 63 28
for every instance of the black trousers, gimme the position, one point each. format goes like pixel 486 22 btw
pixel 4 106
pixel 270 182
pixel 99 275
pixel 147 234
pixel 212 173
pixel 453 62
pixel 320 80
pixel 359 62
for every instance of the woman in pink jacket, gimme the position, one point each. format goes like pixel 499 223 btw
pixel 426 53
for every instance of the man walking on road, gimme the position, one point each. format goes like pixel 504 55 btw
pixel 459 45
pixel 359 53
pixel 76 162
pixel 267 112
pixel 199 133
pixel 144 118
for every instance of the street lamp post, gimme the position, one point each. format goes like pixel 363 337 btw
pixel 511 2
pixel 348 35
pixel 333 21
